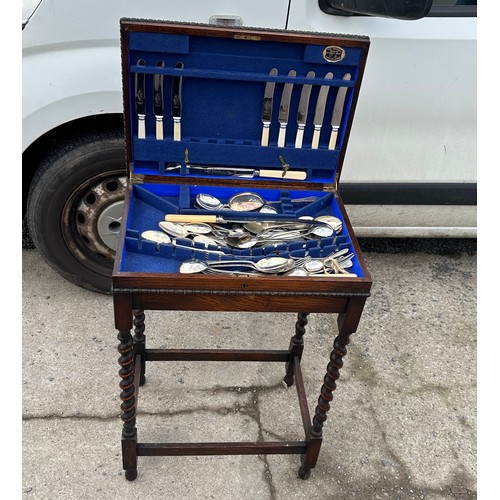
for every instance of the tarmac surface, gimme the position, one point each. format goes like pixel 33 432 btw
pixel 402 423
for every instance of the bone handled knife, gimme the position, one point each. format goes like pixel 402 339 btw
pixel 158 101
pixel 338 110
pixel 302 112
pixel 285 109
pixel 177 102
pixel 320 111
pixel 140 102
pixel 241 172
pixel 267 109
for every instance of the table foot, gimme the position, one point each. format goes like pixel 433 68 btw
pixel 304 473
pixel 131 475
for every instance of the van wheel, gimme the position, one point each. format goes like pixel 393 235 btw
pixel 75 207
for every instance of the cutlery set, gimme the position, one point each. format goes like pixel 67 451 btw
pixel 303 109
pixel 158 101
pixel 266 115
pixel 224 236
pixel 219 239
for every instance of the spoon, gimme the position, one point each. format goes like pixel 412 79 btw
pixel 174 229
pixel 331 220
pixel 267 265
pixel 156 236
pixel 246 202
pixel 243 202
pixel 207 240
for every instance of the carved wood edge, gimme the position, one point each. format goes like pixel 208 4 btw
pixel 175 291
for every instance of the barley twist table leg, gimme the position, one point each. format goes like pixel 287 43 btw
pixel 329 384
pixel 140 341
pixel 348 323
pixel 129 431
pixel 323 406
pixel 296 347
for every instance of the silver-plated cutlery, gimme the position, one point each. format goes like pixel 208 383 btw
pixel 334 264
pixel 158 104
pixel 267 108
pixel 176 102
pixel 319 113
pixel 140 100
pixel 266 115
pixel 303 110
pixel 338 110
pixel 284 110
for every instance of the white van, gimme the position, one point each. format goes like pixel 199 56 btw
pixel 410 168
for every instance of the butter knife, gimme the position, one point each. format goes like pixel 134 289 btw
pixel 267 109
pixel 302 112
pixel 140 102
pixel 177 102
pixel 338 111
pixel 158 101
pixel 285 109
pixel 320 111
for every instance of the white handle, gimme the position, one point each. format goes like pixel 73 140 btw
pixel 333 138
pixel 315 140
pixel 190 218
pixel 281 136
pixel 177 129
pixel 265 136
pixel 299 138
pixel 159 129
pixel 290 174
pixel 141 127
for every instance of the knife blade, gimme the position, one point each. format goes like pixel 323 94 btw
pixel 338 110
pixel 302 111
pixel 241 172
pixel 140 101
pixel 267 109
pixel 177 102
pixel 158 101
pixel 285 109
pixel 320 111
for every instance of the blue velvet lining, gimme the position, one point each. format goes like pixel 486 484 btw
pixel 222 91
pixel 150 202
pixel 223 83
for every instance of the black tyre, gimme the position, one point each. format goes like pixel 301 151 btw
pixel 75 205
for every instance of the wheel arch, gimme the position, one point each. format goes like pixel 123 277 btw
pixel 43 145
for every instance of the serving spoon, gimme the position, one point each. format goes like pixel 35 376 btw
pixel 267 265
pixel 243 202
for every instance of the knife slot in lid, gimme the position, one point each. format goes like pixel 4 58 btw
pixel 158 104
pixel 176 102
pixel 140 101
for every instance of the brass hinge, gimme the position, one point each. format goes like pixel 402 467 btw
pixel 332 188
pixel 136 178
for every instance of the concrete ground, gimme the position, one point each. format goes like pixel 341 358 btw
pixel 402 423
